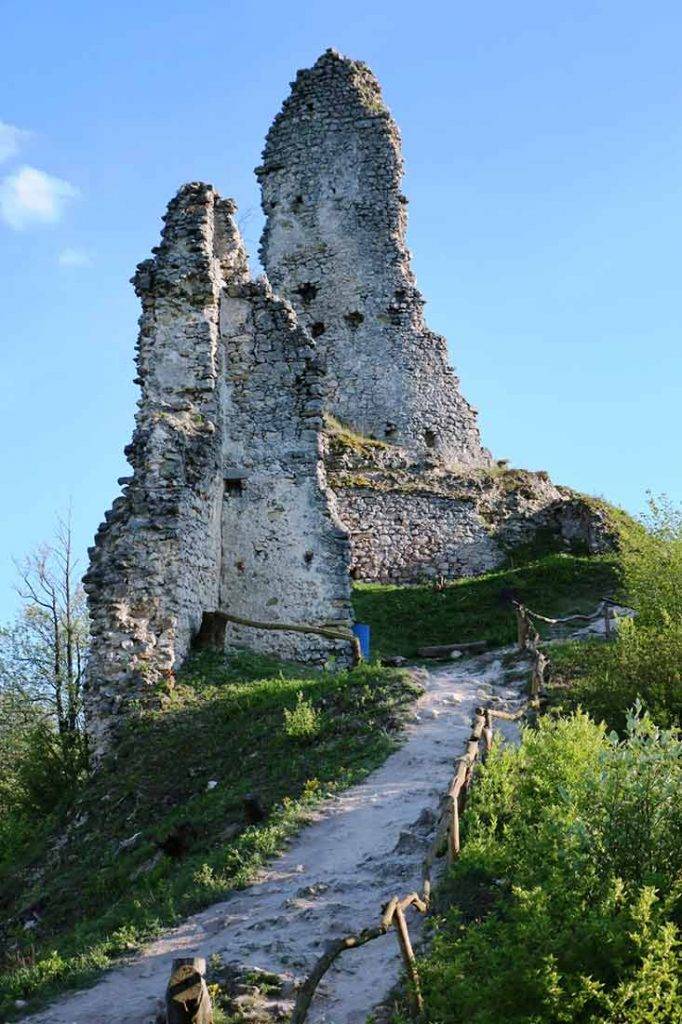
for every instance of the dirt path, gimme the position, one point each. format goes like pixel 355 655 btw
pixel 361 848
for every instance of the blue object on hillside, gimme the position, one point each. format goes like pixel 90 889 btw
pixel 362 632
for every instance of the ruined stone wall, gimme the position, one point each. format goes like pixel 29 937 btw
pixel 410 538
pixel 285 554
pixel 227 507
pixel 155 565
pixel 334 246
pixel 411 521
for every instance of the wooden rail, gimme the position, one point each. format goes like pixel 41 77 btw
pixel 529 639
pixel 446 842
pixel 212 631
pixel 447 839
pixel 187 995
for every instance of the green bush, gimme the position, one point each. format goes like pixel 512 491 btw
pixel 301 722
pixel 573 853
pixel 652 566
pixel 645 662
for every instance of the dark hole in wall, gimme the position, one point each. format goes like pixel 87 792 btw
pixel 390 429
pixel 317 329
pixel 308 557
pixel 234 485
pixel 307 291
pixel 211 635
pixel 297 203
pixel 430 438
pixel 400 294
pixel 309 106
pixel 354 319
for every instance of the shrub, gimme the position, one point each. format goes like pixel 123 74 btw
pixel 652 566
pixel 301 722
pixel 575 845
pixel 645 662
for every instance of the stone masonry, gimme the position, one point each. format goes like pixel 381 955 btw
pixel 227 509
pixel 410 522
pixel 334 246
pixel 229 513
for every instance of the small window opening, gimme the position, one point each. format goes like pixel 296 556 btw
pixel 390 429
pixel 317 329
pixel 430 438
pixel 234 485
pixel 297 203
pixel 309 106
pixel 307 291
pixel 308 557
pixel 400 294
pixel 354 319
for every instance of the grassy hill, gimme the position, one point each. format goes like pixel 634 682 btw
pixel 163 829
pixel 404 618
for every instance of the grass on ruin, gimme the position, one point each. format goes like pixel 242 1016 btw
pixel 231 727
pixel 404 618
pixel 346 437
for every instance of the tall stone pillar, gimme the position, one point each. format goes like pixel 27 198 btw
pixel 334 246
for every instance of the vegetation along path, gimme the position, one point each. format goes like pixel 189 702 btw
pixel 361 848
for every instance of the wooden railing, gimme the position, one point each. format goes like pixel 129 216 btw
pixel 446 842
pixel 187 997
pixel 529 639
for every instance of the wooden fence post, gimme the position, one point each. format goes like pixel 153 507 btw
pixel 187 998
pixel 521 626
pixel 454 829
pixel 488 730
pixel 409 958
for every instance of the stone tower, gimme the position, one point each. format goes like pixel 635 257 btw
pixel 227 511
pixel 334 246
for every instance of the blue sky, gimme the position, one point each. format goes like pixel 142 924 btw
pixel 544 169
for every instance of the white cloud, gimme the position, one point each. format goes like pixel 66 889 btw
pixel 11 140
pixel 30 196
pixel 70 257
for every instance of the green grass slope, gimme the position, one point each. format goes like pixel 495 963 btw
pixel 230 728
pixel 406 618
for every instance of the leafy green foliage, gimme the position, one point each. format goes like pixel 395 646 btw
pixel 404 618
pixel 645 662
pixel 573 851
pixel 107 881
pixel 301 722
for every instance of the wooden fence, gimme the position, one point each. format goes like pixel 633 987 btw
pixel 447 839
pixel 184 991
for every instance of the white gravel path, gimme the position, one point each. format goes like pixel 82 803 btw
pixel 361 848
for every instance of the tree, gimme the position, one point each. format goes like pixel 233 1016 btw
pixel 42 658
pixel 42 662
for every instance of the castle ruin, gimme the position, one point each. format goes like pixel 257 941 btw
pixel 228 523
pixel 227 509
pixel 334 246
